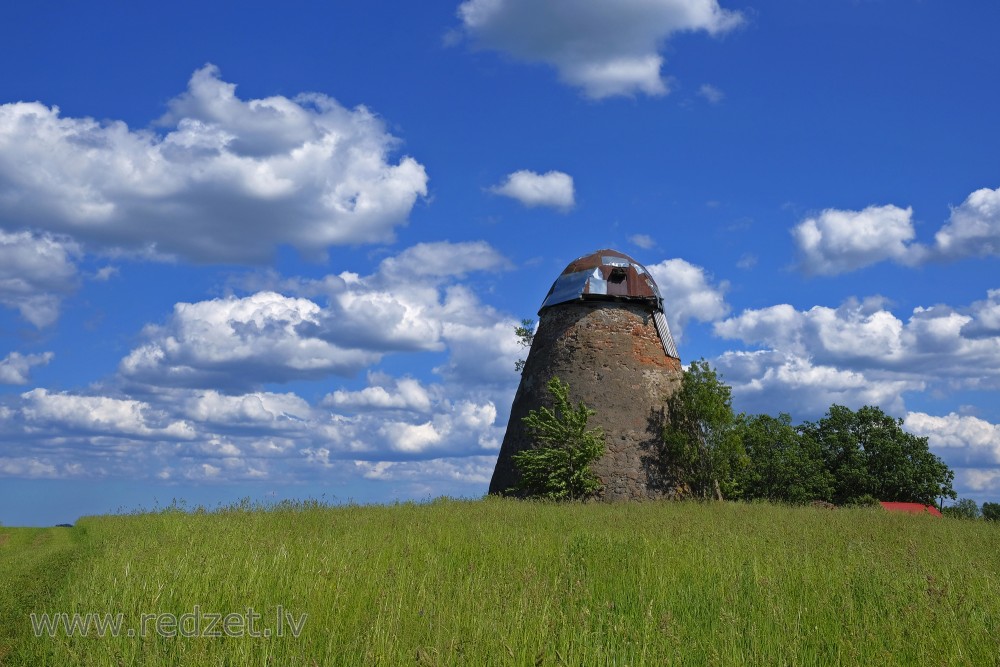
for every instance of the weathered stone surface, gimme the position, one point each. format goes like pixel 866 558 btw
pixel 613 360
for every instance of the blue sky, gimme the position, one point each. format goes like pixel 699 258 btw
pixel 278 252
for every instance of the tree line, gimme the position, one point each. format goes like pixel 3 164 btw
pixel 846 457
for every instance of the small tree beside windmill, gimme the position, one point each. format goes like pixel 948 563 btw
pixel 558 466
pixel 700 440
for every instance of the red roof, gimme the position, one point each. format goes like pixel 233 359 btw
pixel 912 508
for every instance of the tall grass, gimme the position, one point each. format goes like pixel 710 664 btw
pixel 498 582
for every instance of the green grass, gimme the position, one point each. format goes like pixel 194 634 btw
pixel 498 582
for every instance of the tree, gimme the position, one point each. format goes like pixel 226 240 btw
pixel 991 511
pixel 966 508
pixel 869 453
pixel 700 442
pixel 782 464
pixel 558 467
pixel 525 337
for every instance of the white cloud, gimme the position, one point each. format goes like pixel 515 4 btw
pixel 553 188
pixel 401 394
pixel 468 365
pixel 985 317
pixel 207 435
pixel 105 273
pixel 29 468
pixel 986 482
pixel 187 403
pixel 412 303
pixel 15 367
pixel 837 241
pixel 772 381
pixel 688 294
pixel 36 272
pixel 644 241
pixel 442 259
pixel 962 440
pixel 606 47
pixel 68 413
pixel 869 353
pixel 864 335
pixel 258 408
pixel 475 470
pixel 973 228
pixel 711 93
pixel 210 187
pixel 227 342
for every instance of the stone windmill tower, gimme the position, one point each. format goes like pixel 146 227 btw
pixel 602 330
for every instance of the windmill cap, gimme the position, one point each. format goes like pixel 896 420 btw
pixel 609 275
pixel 604 275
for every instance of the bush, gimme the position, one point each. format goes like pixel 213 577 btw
pixel 866 500
pixel 558 467
pixel 966 508
pixel 991 511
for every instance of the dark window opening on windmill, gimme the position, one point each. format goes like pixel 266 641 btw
pixel 618 282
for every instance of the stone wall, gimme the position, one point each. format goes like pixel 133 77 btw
pixel 612 358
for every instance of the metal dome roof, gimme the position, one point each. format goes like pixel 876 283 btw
pixel 609 275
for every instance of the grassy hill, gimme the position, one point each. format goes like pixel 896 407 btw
pixel 498 582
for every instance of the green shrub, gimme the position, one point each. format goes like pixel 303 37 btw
pixel 558 467
pixel 966 508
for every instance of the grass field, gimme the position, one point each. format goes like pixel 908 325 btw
pixel 496 582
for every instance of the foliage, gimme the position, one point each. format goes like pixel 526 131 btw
pixel 847 457
pixel 525 337
pixel 865 500
pixel 868 453
pixel 991 511
pixel 558 467
pixel 781 464
pixel 966 508
pixel 700 440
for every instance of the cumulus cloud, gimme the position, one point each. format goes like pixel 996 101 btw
pixel 206 435
pixel 985 320
pixel 36 272
pixel 772 381
pixel 188 402
pixel 962 440
pixel 245 341
pixel 970 445
pixel 867 347
pixel 688 294
pixel 69 413
pixel 256 409
pixel 553 188
pixel 212 184
pixel 15 367
pixel 838 241
pixel 412 303
pixel 467 470
pixel 605 47
pixel 402 394
pixel 973 229
pixel 866 335
pixel 443 259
